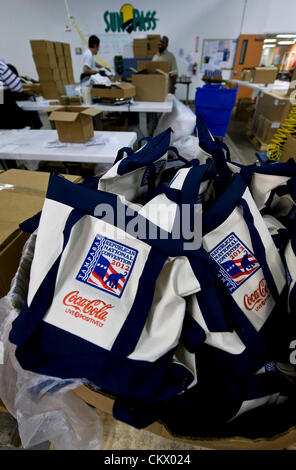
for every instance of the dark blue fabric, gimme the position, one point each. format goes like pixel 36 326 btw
pixel 31 224
pixel 153 150
pixel 265 384
pixel 259 249
pixel 193 334
pixel 274 169
pixel 135 414
pixel 121 153
pixel 224 206
pixel 214 147
pixel 129 334
pixel 57 353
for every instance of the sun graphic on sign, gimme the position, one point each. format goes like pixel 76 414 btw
pixel 127 11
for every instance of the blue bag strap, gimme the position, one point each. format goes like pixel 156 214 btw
pixel 31 224
pixel 30 317
pixel 259 249
pixel 121 153
pixel 213 147
pixel 152 151
pixel 130 332
pixel 143 139
pixel 179 157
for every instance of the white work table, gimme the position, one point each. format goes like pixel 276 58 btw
pixel 141 107
pixel 277 85
pixel 29 144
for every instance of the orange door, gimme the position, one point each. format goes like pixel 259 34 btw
pixel 248 54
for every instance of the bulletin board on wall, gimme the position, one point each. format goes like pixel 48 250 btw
pixel 218 54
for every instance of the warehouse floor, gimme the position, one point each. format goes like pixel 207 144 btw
pixel 117 435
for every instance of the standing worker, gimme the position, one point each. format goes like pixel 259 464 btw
pixel 90 66
pixel 164 55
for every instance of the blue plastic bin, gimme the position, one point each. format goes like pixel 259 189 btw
pixel 215 104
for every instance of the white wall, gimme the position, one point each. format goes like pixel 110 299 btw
pixel 180 21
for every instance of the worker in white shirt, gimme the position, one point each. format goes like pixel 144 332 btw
pixel 164 55
pixel 90 66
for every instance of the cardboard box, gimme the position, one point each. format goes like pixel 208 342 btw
pixel 45 60
pixel 245 109
pixel 68 64
pixel 263 74
pixel 140 43
pixel 48 74
pixel 153 66
pixel 120 90
pixel 246 75
pixel 140 47
pixel 281 441
pixel 32 88
pixel 42 47
pixel 289 150
pixel 22 196
pixel 70 77
pixel 274 106
pixel 63 73
pixel 74 124
pixel 59 49
pixel 66 49
pixel 152 47
pixel 265 129
pixel 140 53
pixel 151 81
pixel 61 63
pixel 70 101
pixel 153 36
pixel 52 89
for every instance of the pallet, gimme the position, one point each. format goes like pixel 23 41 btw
pixel 258 144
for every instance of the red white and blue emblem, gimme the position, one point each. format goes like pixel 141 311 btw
pixel 237 263
pixel 108 265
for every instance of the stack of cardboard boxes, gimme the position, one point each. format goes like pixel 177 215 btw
pixel 272 108
pixel 146 48
pixel 54 66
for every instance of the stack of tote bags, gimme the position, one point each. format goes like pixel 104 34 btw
pixel 169 286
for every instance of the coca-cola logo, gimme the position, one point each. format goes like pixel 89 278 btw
pixel 96 308
pixel 256 297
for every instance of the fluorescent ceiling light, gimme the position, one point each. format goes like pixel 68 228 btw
pixel 285 42
pixel 269 40
pixel 269 46
pixel 286 35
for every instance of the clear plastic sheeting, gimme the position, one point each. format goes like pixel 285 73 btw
pixel 181 120
pixel 45 408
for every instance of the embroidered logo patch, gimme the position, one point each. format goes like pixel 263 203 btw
pixel 237 263
pixel 108 265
